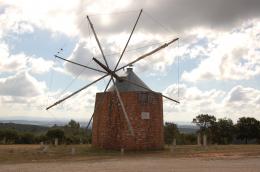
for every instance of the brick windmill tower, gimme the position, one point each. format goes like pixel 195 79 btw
pixel 145 113
pixel 129 114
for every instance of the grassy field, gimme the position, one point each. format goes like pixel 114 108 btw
pixel 34 153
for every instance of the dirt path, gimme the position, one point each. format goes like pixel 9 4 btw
pixel 149 164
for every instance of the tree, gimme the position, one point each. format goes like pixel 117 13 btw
pixel 40 138
pixel 204 121
pixel 73 133
pixel 55 133
pixel 9 135
pixel 1 135
pixel 187 139
pixel 170 131
pixel 26 138
pixel 72 128
pixel 247 128
pixel 73 125
pixel 222 131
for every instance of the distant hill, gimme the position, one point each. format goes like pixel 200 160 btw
pixel 42 126
pixel 34 122
pixel 24 127
pixel 47 123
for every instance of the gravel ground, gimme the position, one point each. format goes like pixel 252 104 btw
pixel 149 164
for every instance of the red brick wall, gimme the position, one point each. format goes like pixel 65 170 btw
pixel 110 129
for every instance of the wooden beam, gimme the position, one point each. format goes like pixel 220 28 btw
pixel 124 110
pixel 76 92
pixel 128 40
pixel 133 83
pixel 79 64
pixel 140 58
pixel 99 45
pixel 148 54
pixel 107 69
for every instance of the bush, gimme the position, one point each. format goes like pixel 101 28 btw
pixel 74 139
pixel 41 138
pixel 170 131
pixel 9 135
pixel 26 138
pixel 222 132
pixel 247 129
pixel 187 139
pixel 55 133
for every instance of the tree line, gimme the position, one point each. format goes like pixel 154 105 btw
pixel 71 133
pixel 221 131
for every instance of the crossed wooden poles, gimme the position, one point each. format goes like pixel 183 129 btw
pixel 112 73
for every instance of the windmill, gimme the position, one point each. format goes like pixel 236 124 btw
pixel 116 118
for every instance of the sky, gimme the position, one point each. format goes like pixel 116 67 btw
pixel 213 69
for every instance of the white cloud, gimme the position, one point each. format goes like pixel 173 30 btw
pixel 79 106
pixel 239 101
pixel 228 55
pixel 242 101
pixel 232 56
pixel 22 84
pixel 12 63
pixel 179 15
pixel 39 65
pixel 239 95
pixel 81 102
pixel 140 44
pixel 56 16
pixel 83 54
pixel 22 93
pixel 68 17
pixel 9 63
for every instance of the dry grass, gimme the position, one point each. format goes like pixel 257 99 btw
pixel 34 153
pixel 215 151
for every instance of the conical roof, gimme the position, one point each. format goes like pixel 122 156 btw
pixel 124 86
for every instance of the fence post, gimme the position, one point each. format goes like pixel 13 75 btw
pixel 198 140
pixel 73 151
pixel 204 140
pixel 122 151
pixel 56 142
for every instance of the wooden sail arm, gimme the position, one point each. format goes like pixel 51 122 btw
pixel 133 83
pixel 148 54
pixel 130 128
pixel 124 79
pixel 76 92
pixel 113 72
pixel 99 45
pixel 107 69
pixel 79 64
pixel 128 40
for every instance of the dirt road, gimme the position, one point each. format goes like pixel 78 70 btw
pixel 141 164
